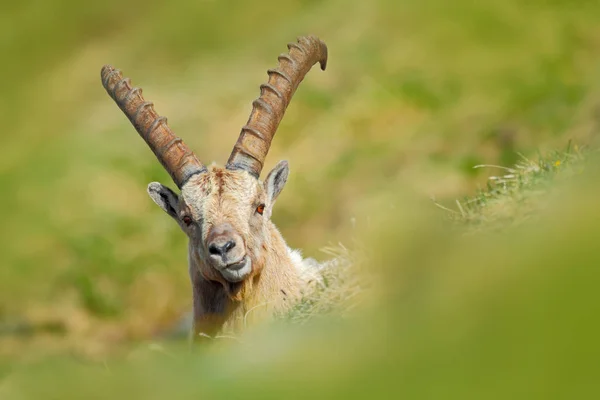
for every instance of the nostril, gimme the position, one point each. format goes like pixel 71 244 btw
pixel 214 250
pixel 228 246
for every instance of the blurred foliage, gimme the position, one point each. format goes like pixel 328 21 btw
pixel 494 315
pixel 520 192
pixel 416 93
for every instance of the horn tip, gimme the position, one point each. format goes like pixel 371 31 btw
pixel 313 40
pixel 324 55
pixel 323 64
pixel 106 72
pixel 106 69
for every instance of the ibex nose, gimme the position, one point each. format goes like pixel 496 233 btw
pixel 218 248
pixel 221 241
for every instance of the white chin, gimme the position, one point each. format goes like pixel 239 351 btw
pixel 238 274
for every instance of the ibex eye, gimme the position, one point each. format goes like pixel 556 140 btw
pixel 260 209
pixel 187 220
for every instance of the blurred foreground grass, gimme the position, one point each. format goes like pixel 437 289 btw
pixel 416 94
pixel 497 315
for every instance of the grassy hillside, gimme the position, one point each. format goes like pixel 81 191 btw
pixel 492 315
pixel 416 94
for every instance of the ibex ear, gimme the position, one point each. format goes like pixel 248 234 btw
pixel 276 180
pixel 164 197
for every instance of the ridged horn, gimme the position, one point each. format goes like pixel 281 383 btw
pixel 179 161
pixel 251 148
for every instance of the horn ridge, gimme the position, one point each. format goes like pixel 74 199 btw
pixel 250 150
pixel 173 154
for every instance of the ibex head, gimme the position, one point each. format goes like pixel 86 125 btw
pixel 224 211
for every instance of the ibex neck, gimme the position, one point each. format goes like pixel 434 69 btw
pixel 222 305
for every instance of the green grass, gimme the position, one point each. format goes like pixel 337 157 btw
pixel 518 192
pixel 416 94
pixel 483 316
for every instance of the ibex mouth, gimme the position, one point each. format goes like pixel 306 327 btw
pixel 237 271
pixel 238 265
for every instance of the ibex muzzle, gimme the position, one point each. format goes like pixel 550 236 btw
pixel 227 252
pixel 226 212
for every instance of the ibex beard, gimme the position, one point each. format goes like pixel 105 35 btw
pixel 238 260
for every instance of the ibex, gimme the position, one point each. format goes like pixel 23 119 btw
pixel 238 260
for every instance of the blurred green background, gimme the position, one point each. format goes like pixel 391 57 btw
pixel 416 93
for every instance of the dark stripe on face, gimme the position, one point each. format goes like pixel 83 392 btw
pixel 219 182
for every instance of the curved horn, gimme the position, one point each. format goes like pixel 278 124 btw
pixel 179 161
pixel 251 149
